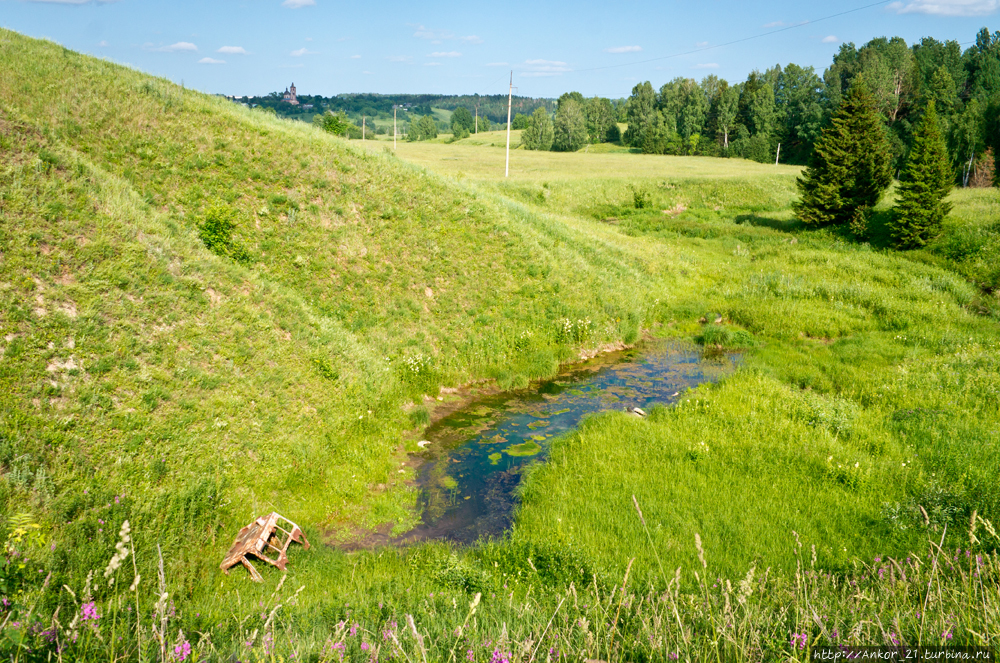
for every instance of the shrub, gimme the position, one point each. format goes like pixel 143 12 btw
pixel 640 198
pixel 726 337
pixel 216 232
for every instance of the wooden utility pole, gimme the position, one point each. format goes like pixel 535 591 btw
pixel 510 92
pixel 362 127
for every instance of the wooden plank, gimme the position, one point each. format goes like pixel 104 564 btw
pixel 258 535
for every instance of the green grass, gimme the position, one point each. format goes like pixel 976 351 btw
pixel 144 377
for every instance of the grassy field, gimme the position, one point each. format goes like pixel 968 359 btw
pixel 147 378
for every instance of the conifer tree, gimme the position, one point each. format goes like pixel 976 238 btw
pixel 923 186
pixel 850 166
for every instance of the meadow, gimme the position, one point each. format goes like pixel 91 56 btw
pixel 838 488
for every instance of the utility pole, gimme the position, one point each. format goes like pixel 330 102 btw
pixel 394 126
pixel 477 119
pixel 510 92
pixel 362 127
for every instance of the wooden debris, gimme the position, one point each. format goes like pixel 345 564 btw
pixel 255 538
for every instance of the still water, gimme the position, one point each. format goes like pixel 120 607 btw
pixel 476 455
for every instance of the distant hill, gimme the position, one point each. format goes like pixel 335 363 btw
pixel 380 105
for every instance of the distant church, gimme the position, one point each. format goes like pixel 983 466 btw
pixel 289 96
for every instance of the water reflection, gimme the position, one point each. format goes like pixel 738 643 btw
pixel 477 454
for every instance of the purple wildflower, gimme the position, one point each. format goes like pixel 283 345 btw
pixel 89 611
pixel 182 651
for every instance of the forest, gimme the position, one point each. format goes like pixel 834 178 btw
pixel 789 106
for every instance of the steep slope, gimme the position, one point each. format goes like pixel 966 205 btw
pixel 200 389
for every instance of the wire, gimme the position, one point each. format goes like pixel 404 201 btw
pixel 490 86
pixel 735 41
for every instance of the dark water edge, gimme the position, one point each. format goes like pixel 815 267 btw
pixel 470 471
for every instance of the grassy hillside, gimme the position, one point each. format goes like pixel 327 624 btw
pixel 206 389
pixel 148 378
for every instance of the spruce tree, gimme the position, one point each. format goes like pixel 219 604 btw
pixel 851 164
pixel 923 186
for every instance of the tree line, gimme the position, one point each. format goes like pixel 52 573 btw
pixel 789 106
pixel 355 106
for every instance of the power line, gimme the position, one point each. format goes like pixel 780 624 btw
pixel 735 41
pixel 490 86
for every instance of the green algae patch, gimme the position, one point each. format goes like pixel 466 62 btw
pixel 495 458
pixel 529 448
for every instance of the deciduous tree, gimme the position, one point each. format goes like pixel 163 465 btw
pixel 570 127
pixel 538 134
pixel 640 113
pixel 462 120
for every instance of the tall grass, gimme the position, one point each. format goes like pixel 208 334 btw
pixel 503 602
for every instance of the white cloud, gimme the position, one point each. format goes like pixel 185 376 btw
pixel 430 33
pixel 707 65
pixel 472 39
pixel 773 24
pixel 211 61
pixel 448 54
pixel 302 51
pixel 233 50
pixel 398 58
pixel 355 57
pixel 539 68
pixel 102 43
pixel 830 39
pixel 298 4
pixel 947 7
pixel 701 44
pixel 173 48
pixel 623 49
pixel 432 64
pixel 496 64
pixel 367 73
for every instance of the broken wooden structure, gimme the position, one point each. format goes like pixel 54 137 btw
pixel 257 537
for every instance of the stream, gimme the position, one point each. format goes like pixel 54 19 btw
pixel 476 456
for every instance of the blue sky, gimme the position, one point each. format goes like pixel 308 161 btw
pixel 327 47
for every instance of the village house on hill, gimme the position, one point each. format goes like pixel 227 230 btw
pixel 289 96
